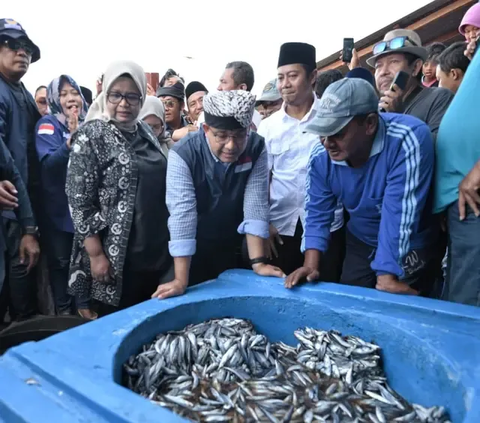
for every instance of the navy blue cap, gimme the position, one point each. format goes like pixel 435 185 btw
pixel 10 28
pixel 361 73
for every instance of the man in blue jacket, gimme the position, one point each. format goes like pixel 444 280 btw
pixel 18 116
pixel 380 167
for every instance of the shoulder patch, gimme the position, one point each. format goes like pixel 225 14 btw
pixel 46 129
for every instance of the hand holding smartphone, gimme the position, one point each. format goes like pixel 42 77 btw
pixel 401 81
pixel 347 52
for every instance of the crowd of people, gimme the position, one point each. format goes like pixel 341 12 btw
pixel 139 192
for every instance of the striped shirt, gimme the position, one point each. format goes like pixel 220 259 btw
pixel 388 198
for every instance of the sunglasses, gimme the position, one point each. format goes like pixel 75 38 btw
pixel 16 45
pixel 169 104
pixel 393 44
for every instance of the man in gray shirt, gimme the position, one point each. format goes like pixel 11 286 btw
pixel 401 50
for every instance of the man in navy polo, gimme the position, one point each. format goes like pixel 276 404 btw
pixel 380 166
pixel 217 190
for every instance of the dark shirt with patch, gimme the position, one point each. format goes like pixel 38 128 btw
pixel 429 105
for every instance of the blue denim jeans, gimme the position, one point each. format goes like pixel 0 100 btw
pixel 463 262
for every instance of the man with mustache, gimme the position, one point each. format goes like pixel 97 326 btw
pixel 18 117
pixel 289 148
pixel 194 93
pixel 380 166
pixel 401 50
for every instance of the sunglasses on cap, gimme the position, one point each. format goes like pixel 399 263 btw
pixel 16 45
pixel 393 44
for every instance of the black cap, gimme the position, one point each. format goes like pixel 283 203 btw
pixel 194 87
pixel 302 53
pixel 10 28
pixel 177 90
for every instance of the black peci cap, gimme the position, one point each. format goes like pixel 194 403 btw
pixel 302 53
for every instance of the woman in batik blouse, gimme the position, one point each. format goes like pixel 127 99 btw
pixel 116 192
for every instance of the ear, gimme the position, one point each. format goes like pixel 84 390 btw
pixel 313 78
pixel 457 74
pixel 417 67
pixel 205 127
pixel 372 123
pixel 243 87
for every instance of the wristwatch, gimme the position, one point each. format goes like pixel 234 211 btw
pixel 31 230
pixel 263 260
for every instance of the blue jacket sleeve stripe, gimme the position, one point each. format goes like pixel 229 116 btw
pixel 411 148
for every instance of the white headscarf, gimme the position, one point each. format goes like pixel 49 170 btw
pixel 154 106
pixel 98 109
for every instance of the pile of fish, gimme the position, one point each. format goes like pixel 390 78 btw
pixel 222 370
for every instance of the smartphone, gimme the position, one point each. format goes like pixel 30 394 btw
pixel 400 80
pixel 348 46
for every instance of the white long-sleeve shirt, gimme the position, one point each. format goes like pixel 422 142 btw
pixel 289 147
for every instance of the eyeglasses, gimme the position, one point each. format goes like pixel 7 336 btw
pixel 393 44
pixel 169 104
pixel 19 45
pixel 156 128
pixel 130 98
pixel 238 138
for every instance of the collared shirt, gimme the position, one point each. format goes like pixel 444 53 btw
pixel 289 149
pixel 182 203
pixel 387 198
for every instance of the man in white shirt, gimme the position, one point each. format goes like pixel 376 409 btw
pixel 289 149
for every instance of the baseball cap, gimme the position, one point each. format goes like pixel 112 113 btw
pixel 341 102
pixel 270 92
pixel 10 28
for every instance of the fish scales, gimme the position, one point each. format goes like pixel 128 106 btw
pixel 223 370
